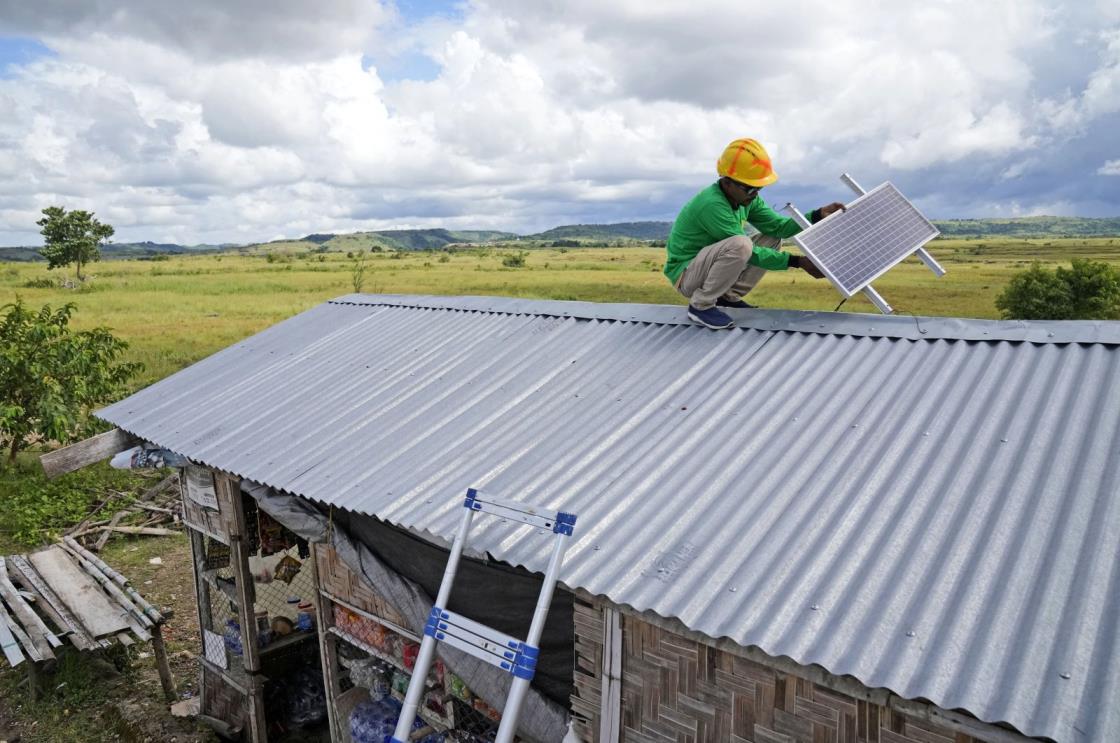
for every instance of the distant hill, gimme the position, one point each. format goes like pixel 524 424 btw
pixel 632 230
pixel 1031 227
pixel 431 239
pixel 572 235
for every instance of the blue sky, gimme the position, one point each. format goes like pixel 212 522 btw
pixel 237 122
pixel 18 51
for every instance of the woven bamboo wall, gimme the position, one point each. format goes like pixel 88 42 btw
pixel 337 579
pixel 678 689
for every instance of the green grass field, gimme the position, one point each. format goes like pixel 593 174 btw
pixel 174 312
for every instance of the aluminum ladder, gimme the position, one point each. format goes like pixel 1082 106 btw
pixel 516 657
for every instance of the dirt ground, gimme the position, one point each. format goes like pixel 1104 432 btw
pixel 116 695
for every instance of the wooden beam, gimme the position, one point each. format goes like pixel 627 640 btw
pixel 88 451
pixel 40 634
pixel 148 531
pixel 8 642
pixel 51 605
pixel 106 532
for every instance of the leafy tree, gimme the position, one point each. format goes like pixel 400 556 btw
pixel 1090 290
pixel 51 376
pixel 72 237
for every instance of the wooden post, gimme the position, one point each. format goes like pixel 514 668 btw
pixel 33 681
pixel 328 649
pixel 160 653
pixel 258 725
pixel 202 596
pixel 229 489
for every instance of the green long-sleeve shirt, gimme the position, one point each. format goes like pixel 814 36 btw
pixel 708 218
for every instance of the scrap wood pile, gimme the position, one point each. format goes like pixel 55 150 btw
pixel 156 512
pixel 66 594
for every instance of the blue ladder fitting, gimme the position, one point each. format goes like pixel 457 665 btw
pixel 433 621
pixel 524 662
pixel 472 500
pixel 565 523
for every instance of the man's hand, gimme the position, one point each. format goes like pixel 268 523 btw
pixel 810 268
pixel 832 208
pixel 806 265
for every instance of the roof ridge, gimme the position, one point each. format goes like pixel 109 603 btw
pixel 910 327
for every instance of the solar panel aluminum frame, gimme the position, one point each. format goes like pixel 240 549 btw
pixel 849 292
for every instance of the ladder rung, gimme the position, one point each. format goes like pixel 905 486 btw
pixel 487 643
pixel 501 642
pixel 471 648
pixel 560 523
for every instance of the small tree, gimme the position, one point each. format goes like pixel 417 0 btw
pixel 1090 290
pixel 50 376
pixel 358 273
pixel 72 237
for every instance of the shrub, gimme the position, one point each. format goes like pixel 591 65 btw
pixel 51 376
pixel 1089 290
pixel 40 282
pixel 514 260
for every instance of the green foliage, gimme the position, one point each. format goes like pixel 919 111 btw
pixel 40 282
pixel 36 508
pixel 50 376
pixel 1090 290
pixel 515 260
pixel 72 237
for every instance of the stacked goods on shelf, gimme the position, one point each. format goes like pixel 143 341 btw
pixel 376 655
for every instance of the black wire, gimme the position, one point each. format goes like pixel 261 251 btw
pixel 917 323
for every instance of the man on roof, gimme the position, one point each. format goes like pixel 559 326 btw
pixel 711 261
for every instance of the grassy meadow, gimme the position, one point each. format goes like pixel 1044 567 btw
pixel 176 311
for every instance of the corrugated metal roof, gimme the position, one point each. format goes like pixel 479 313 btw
pixel 928 505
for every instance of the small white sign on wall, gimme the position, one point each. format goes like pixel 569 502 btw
pixel 200 486
pixel 215 646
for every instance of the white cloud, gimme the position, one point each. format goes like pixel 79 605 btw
pixel 1111 167
pixel 239 121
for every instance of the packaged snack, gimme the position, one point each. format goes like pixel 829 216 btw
pixel 377 636
pixel 287 568
pixel 400 682
pixel 486 709
pixel 409 652
pixel 458 688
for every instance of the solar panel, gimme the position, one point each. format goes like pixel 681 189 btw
pixel 878 230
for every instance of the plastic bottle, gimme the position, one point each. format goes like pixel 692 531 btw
pixel 232 636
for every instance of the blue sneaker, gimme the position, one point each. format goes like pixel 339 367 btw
pixel 712 317
pixel 737 304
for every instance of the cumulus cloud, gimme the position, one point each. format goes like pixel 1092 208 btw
pixel 1111 167
pixel 244 121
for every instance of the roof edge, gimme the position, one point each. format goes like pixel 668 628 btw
pixel 796 321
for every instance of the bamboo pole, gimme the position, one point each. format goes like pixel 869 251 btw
pixel 117 578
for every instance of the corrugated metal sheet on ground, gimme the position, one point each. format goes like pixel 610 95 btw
pixel 936 516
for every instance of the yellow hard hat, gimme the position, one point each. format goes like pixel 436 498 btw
pixel 746 161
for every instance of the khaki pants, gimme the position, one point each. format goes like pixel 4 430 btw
pixel 721 270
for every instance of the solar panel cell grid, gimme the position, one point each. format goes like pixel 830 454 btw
pixel 877 231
